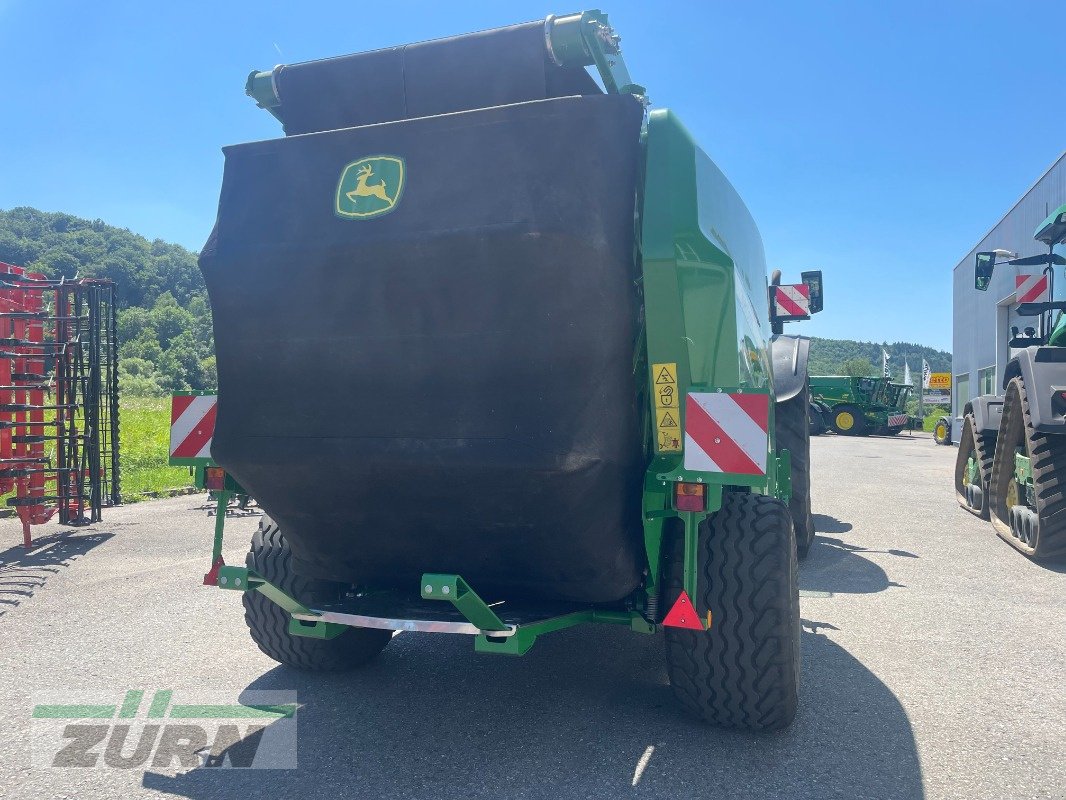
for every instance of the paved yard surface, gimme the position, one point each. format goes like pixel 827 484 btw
pixel 936 667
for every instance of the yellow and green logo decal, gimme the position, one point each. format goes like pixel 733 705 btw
pixel 370 187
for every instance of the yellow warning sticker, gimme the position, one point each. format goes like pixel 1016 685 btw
pixel 664 373
pixel 668 430
pixel 666 396
pixel 667 416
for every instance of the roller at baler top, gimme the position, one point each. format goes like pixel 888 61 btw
pixel 473 397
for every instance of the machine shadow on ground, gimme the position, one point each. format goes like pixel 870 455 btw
pixel 23 572
pixel 1053 565
pixel 573 718
pixel 837 566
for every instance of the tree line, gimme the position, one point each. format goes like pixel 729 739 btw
pixel 849 357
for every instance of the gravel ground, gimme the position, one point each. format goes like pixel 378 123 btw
pixel 934 666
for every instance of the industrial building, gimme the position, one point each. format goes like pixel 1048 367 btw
pixel 979 351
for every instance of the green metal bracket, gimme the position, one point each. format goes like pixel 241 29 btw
pixel 783 484
pixel 656 498
pixel 585 39
pixel 238 579
pixel 315 630
pixel 525 636
pixel 455 590
pixel 242 579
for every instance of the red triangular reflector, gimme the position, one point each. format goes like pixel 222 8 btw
pixel 683 615
pixel 211 578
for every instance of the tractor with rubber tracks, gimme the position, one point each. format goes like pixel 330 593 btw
pixel 500 358
pixel 1011 463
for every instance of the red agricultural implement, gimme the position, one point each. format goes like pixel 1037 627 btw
pixel 58 397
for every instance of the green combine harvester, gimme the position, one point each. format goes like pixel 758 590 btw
pixel 1011 464
pixel 473 397
pixel 861 406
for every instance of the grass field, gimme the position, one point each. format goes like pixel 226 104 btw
pixel 143 448
pixel 929 422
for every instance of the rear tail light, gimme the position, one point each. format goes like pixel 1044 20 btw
pixel 215 479
pixel 690 496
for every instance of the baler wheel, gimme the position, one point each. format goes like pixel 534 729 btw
pixel 849 421
pixel 1045 535
pixel 268 622
pixel 743 671
pixel 792 428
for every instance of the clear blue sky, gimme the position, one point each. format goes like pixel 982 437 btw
pixel 877 141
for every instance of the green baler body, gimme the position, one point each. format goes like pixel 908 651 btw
pixel 701 319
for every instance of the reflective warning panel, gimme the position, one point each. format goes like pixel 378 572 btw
pixel 727 432
pixel 192 426
pixel 667 411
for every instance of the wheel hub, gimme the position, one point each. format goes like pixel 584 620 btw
pixel 1012 494
pixel 845 421
pixel 970 464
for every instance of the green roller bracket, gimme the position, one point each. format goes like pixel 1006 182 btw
pixel 587 39
pixel 260 87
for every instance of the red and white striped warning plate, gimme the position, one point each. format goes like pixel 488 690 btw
pixel 192 424
pixel 727 432
pixel 1030 288
pixel 792 300
pixel 897 419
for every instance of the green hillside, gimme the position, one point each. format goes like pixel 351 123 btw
pixel 829 357
pixel 164 320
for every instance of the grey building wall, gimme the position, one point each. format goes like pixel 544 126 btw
pixel 981 320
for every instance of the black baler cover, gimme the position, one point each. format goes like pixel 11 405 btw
pixel 475 70
pixel 448 387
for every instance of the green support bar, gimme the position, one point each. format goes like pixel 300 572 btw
pixel 455 590
pixel 220 525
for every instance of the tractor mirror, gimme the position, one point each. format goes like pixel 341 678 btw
pixel 813 280
pixel 982 271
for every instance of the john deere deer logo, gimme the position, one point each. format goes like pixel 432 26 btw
pixel 370 187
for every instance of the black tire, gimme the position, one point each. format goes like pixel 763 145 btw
pixel 268 622
pixel 1046 538
pixel 792 428
pixel 744 671
pixel 816 422
pixel 839 420
pixel 942 431
pixel 982 446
